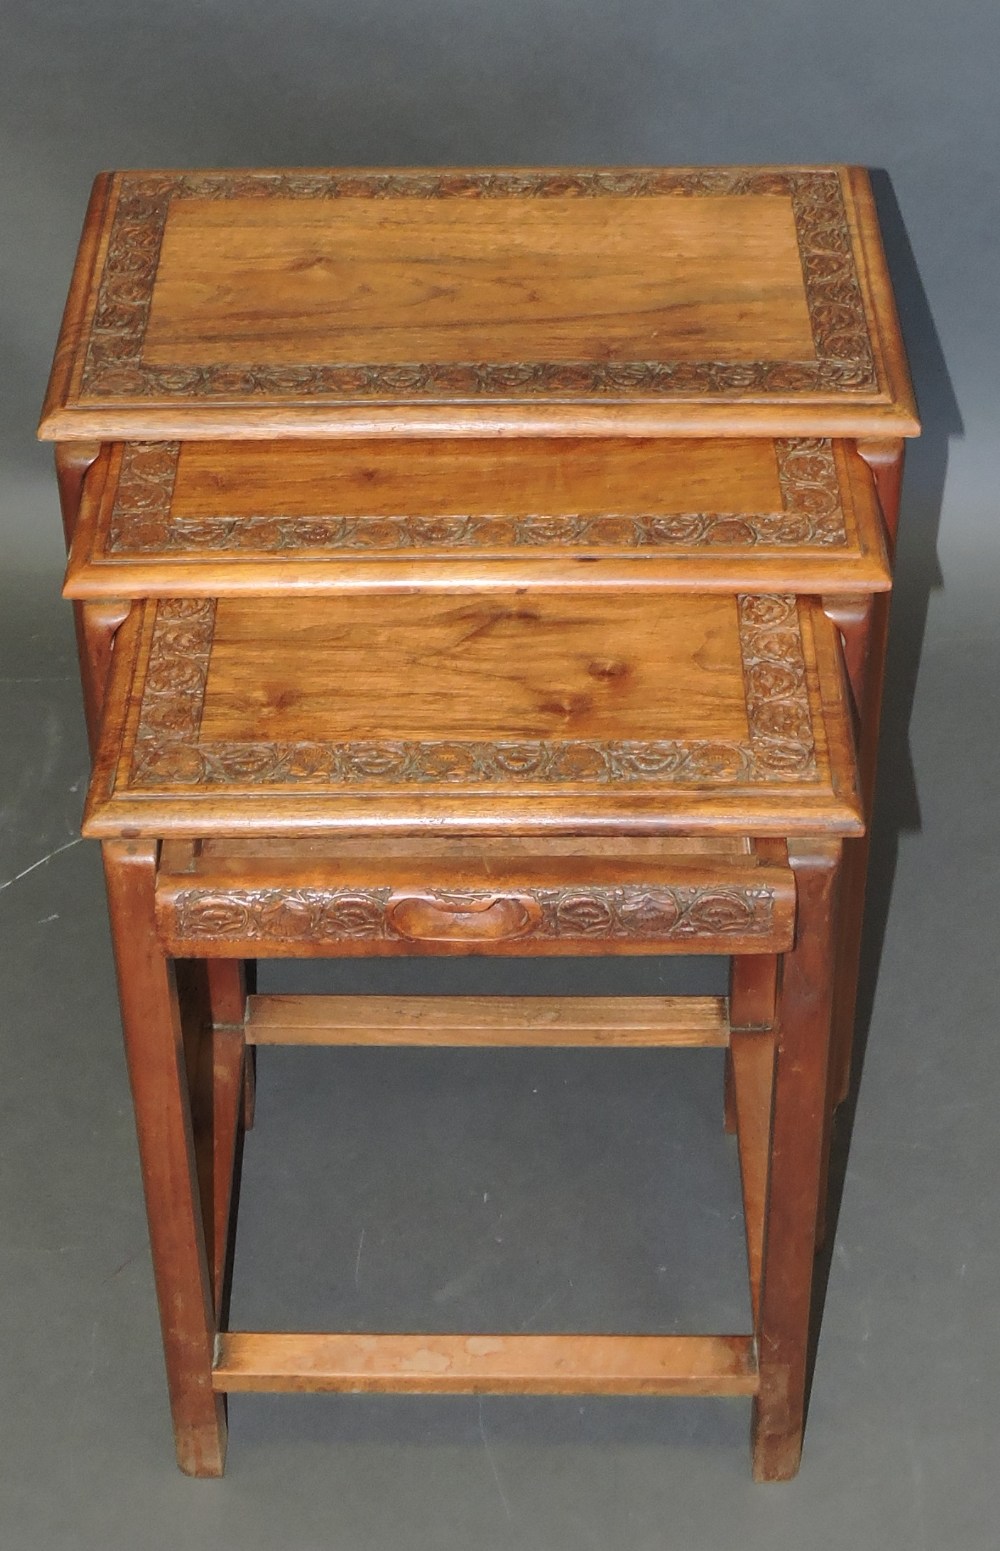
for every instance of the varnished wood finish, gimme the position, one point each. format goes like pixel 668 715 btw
pixel 589 587
pixel 856 856
pixel 852 615
pixel 153 1047
pixel 885 459
pixel 227 1001
pixel 219 518
pixel 556 711
pixel 487 1364
pixel 752 1057
pixel 753 994
pixel 97 623
pixel 321 900
pixel 214 1054
pixel 77 312
pixel 283 303
pixel 753 989
pixel 288 855
pixel 534 1021
pixel 795 1175
pixel 73 460
pixel 752 1065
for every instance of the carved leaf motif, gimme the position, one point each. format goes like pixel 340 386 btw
pixel 584 915
pixel 211 915
pixel 719 912
pixel 765 609
pixel 653 914
pixel 773 680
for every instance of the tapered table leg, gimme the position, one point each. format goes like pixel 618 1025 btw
pixel 796 1179
pixel 212 995
pixel 227 990
pixel 886 462
pixel 157 1072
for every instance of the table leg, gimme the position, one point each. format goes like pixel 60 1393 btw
pixel 96 623
pixel 73 459
pixel 230 982
pixel 157 1072
pixel 93 644
pixel 886 462
pixel 212 995
pixel 227 992
pixel 795 1176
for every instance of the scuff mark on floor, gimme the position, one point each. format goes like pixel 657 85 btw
pixel 40 863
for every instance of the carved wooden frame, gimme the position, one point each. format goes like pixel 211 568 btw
pixel 167 753
pixel 141 520
pixel 113 365
pixel 627 913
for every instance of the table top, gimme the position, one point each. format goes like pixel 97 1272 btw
pixel 548 712
pixel 207 517
pixel 638 301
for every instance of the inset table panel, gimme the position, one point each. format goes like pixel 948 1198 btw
pixel 169 518
pixel 565 711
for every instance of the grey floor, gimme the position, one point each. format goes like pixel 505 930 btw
pixel 544 1191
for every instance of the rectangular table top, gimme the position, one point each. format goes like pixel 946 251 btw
pixel 648 301
pixel 194 518
pixel 585 713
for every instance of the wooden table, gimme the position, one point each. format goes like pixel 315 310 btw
pixel 581 487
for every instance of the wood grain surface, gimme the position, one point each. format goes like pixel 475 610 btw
pixel 538 1022
pixel 533 301
pixel 155 1054
pixel 555 711
pixel 795 1179
pixel 486 1364
pixel 187 518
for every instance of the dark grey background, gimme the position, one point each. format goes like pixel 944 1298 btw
pixel 518 1190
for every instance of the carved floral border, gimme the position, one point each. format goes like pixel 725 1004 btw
pixel 141 520
pixel 169 754
pixel 665 913
pixel 114 368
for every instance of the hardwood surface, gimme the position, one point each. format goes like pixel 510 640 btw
pixel 73 462
pixel 749 1087
pixel 555 711
pixel 752 1057
pixel 155 1055
pixel 212 1004
pixel 648 301
pixel 221 899
pixel 217 518
pixel 886 462
pixel 487 1364
pixel 477 421
pixel 795 1178
pixel 536 1021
